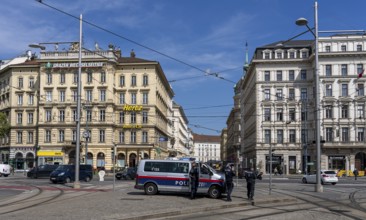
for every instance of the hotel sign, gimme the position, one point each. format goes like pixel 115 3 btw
pixel 74 65
pixel 132 126
pixel 132 108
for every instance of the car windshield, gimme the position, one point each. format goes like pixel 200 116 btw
pixel 62 167
pixel 330 172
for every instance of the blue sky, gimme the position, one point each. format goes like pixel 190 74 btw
pixel 209 35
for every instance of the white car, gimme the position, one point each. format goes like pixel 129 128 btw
pixel 326 176
pixel 4 170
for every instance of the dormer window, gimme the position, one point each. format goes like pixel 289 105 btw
pixel 266 54
pixel 279 54
pixel 343 48
pixel 291 54
pixel 304 53
pixel 327 49
pixel 359 47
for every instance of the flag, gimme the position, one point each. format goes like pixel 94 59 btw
pixel 361 73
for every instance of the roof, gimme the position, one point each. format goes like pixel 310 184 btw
pixel 133 60
pixel 287 43
pixel 206 138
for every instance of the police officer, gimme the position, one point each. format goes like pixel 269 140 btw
pixel 194 180
pixel 229 174
pixel 250 177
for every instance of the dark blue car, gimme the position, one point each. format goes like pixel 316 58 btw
pixel 66 174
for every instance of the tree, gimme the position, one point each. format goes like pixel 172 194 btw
pixel 4 125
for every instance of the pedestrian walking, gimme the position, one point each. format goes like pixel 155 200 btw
pixel 275 171
pixel 229 174
pixel 355 172
pixel 250 177
pixel 193 180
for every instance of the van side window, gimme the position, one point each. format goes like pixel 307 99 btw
pixel 204 170
pixel 166 167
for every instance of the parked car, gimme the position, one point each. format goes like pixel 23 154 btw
pixel 66 173
pixel 326 176
pixel 41 171
pixel 5 170
pixel 129 173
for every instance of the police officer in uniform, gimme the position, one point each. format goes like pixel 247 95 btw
pixel 229 174
pixel 250 177
pixel 193 180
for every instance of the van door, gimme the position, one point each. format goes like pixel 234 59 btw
pixel 205 178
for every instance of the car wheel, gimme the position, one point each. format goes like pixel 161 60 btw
pixel 67 180
pixel 87 179
pixel 214 192
pixel 151 189
pixel 34 176
pixel 334 183
pixel 1 174
pixel 304 180
pixel 119 178
pixel 53 181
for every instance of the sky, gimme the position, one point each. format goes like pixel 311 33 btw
pixel 200 44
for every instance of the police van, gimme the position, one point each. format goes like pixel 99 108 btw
pixel 154 176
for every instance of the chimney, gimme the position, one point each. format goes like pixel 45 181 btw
pixel 133 55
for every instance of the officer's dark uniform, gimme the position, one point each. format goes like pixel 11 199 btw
pixel 250 176
pixel 229 174
pixel 193 180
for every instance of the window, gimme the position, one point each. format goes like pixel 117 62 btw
pixel 61 135
pixel 344 90
pixel 344 69
pixel 30 99
pixel 74 115
pixel 344 111
pixel 102 136
pixel 121 81
pixel 304 135
pixel 89 113
pixel 31 82
pixel 62 95
pixel 102 95
pixel 359 47
pixel 62 77
pixel 133 98
pixel 280 136
pixel 49 78
pixel 292 114
pixel 121 98
pixel 133 137
pixel 343 48
pixel 327 49
pixel 304 54
pixel 359 68
pixel 89 95
pixel 303 74
pixel 73 135
pixel 133 117
pixel 304 115
pixel 121 117
pixel 345 134
pixel 360 134
pixel 75 77
pixel 144 137
pixel 291 94
pixel 19 137
pixel 279 55
pixel 304 93
pixel 102 77
pixel 291 75
pixel 102 115
pixel 279 75
pixel 292 54
pixel 133 80
pixel 145 98
pixel 267 114
pixel 267 94
pixel 267 76
pixel 279 94
pixel 20 99
pixel 48 115
pixel 30 137
pixel 145 80
pixel 121 137
pixel 74 95
pixel 292 135
pixel 267 136
pixel 329 134
pixel 47 136
pixel 267 56
pixel 48 96
pixel 329 111
pixel 328 90
pixel 30 118
pixel 144 118
pixel 279 114
pixel 20 82
pixel 360 89
pixel 61 115
pixel 19 118
pixel 328 70
pixel 360 111
pixel 89 77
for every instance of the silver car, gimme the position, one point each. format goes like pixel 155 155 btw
pixel 326 176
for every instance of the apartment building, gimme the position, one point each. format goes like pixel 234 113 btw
pixel 207 147
pixel 180 144
pixel 125 102
pixel 278 105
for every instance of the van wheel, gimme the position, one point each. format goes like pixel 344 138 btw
pixel 214 192
pixel 87 179
pixel 67 180
pixel 151 189
pixel 1 174
pixel 6 175
pixel 304 180
pixel 334 183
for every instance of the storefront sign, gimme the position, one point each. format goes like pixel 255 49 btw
pixel 132 108
pixel 50 153
pixel 74 65
pixel 132 126
pixel 336 157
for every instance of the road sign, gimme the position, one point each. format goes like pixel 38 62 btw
pixel 161 139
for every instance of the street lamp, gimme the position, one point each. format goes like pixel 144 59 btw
pixel 304 22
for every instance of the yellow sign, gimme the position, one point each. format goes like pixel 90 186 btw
pixel 133 108
pixel 50 153
pixel 132 126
